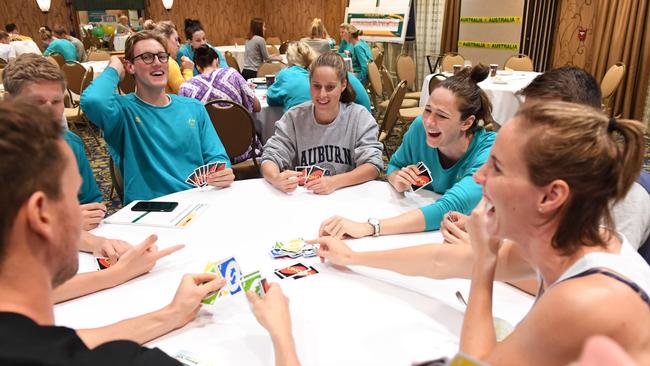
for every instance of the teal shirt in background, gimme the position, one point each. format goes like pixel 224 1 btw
pixel 186 50
pixel 89 191
pixel 63 47
pixel 291 87
pixel 361 54
pixel 157 148
pixel 456 184
pixel 343 46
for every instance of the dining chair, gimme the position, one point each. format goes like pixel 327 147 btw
pixel 406 71
pixel 97 55
pixel 391 116
pixel 77 79
pixel 236 130
pixel 519 62
pixel 610 83
pixel 269 68
pixel 231 60
pixel 450 59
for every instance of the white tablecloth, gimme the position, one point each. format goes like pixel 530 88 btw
pixel 341 316
pixel 504 101
pixel 266 118
pixel 98 66
pixel 119 42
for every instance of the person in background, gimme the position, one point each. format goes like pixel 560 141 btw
pixel 345 46
pixel 291 86
pixel 7 52
pixel 255 53
pixel 167 30
pixel 319 40
pixel 123 27
pixel 450 141
pixel 174 134
pixel 361 53
pixel 60 32
pixel 215 82
pixel 12 29
pixel 329 131
pixel 140 26
pixel 194 38
pixel 57 45
pixel 553 172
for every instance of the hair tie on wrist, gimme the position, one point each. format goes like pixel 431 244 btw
pixel 612 125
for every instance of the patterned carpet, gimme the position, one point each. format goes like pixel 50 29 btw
pixel 99 161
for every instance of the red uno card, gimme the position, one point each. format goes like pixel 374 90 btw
pixel 103 262
pixel 309 272
pixel 423 178
pixel 291 271
pixel 315 173
pixel 303 173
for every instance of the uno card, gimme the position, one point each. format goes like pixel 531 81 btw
pixel 315 173
pixel 303 173
pixel 186 358
pixel 309 272
pixel 253 281
pixel 215 167
pixel 230 270
pixel 291 271
pixel 423 178
pixel 103 262
pixel 293 245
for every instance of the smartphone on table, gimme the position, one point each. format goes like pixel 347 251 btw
pixel 154 206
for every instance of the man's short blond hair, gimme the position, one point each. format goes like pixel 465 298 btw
pixel 29 67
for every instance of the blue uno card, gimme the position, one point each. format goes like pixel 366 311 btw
pixel 229 269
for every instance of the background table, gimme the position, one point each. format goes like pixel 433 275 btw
pixel 348 316
pixel 265 119
pixel 98 66
pixel 238 52
pixel 119 42
pixel 504 101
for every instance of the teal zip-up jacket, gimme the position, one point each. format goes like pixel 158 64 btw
pixel 64 47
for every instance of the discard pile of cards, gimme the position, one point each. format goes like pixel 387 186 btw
pixel 309 173
pixel 295 271
pixel 199 177
pixel 293 248
pixel 424 178
pixel 235 282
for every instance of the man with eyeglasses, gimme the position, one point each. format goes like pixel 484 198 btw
pixel 156 139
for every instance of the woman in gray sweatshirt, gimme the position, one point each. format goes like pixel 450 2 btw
pixel 329 131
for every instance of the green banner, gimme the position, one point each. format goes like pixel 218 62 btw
pixel 493 45
pixel 490 19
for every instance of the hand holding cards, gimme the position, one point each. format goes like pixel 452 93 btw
pixel 199 177
pixel 235 281
pixel 310 173
pixel 423 178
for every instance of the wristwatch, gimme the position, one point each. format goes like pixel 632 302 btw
pixel 375 226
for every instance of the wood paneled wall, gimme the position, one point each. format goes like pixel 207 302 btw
pixel 287 19
pixel 574 16
pixel 28 17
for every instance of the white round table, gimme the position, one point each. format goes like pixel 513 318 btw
pixel 505 102
pixel 348 316
pixel 119 42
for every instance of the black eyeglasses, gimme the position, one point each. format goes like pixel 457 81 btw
pixel 148 57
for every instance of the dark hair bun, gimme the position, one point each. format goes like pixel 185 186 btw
pixel 189 22
pixel 479 73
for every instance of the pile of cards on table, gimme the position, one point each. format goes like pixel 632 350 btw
pixel 293 248
pixel 235 282
pixel 199 177
pixel 424 178
pixel 309 173
pixel 295 271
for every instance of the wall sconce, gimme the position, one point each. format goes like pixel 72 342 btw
pixel 44 5
pixel 168 4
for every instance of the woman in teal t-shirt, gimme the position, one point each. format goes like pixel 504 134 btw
pixel 195 38
pixel 448 139
pixel 361 54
